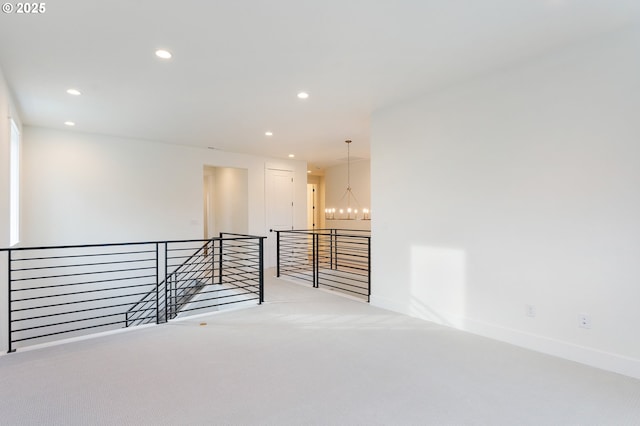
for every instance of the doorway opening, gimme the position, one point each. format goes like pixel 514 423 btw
pixel 226 201
pixel 315 201
pixel 312 206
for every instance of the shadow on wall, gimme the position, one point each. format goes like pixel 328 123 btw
pixel 438 285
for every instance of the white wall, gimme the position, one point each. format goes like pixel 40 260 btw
pixel 336 179
pixel 5 138
pixel 83 188
pixel 6 110
pixel 228 199
pixel 519 188
pixel 231 188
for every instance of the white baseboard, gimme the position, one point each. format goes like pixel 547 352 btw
pixel 589 356
pixel 388 304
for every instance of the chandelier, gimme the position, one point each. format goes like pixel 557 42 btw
pixel 348 211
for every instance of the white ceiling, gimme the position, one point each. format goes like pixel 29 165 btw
pixel 238 65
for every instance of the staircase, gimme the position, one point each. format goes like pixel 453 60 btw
pixel 58 292
pixel 181 296
pixel 209 277
pixel 177 290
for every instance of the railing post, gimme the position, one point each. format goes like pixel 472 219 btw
pixel 278 254
pixel 167 290
pixel 330 248
pixel 157 284
pixel 261 270
pixel 172 297
pixel 220 260
pixel 335 249
pixel 369 269
pixel 10 346
pixel 316 264
pixel 313 259
pixel 213 260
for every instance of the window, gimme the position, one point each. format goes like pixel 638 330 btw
pixel 14 185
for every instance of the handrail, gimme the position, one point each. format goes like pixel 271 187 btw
pixel 316 231
pixel 242 236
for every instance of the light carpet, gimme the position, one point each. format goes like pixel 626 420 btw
pixel 306 357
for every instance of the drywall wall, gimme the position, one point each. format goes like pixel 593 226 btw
pixel 5 138
pixel 508 205
pixel 82 188
pixel 226 200
pixel 231 200
pixel 231 190
pixel 6 111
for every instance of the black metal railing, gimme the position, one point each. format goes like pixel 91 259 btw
pixel 225 271
pixel 339 259
pixel 187 266
pixel 68 291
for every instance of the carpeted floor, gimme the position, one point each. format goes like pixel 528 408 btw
pixel 306 357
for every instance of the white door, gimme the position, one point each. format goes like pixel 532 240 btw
pixel 279 214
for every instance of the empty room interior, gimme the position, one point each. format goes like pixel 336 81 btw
pixel 320 212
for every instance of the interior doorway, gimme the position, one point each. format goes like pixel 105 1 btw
pixel 279 208
pixel 315 201
pixel 312 206
pixel 226 201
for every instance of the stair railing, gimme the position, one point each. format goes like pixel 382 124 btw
pixel 336 259
pixel 68 291
pixel 189 278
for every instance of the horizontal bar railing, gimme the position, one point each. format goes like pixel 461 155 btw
pixel 236 276
pixel 68 291
pixel 295 254
pixel 338 259
pixel 186 277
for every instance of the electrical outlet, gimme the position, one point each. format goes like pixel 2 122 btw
pixel 530 310
pixel 584 321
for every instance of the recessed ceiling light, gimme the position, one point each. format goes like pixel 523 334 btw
pixel 308 171
pixel 69 123
pixel 291 155
pixel 268 133
pixel 303 95
pixel 163 54
pixel 74 92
